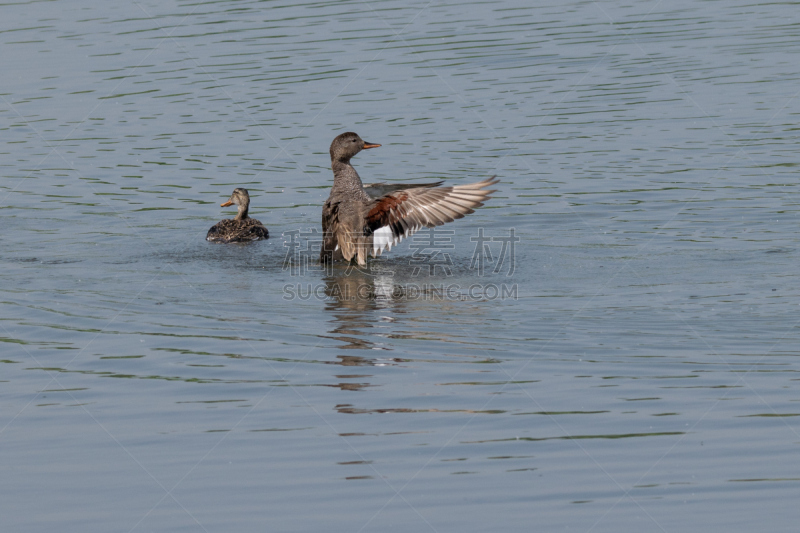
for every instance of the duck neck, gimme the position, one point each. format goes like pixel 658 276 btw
pixel 242 214
pixel 346 179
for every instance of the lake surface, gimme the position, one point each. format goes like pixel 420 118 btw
pixel 612 344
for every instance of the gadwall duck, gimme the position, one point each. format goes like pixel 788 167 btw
pixel 359 221
pixel 239 229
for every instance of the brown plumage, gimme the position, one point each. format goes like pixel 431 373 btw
pixel 239 229
pixel 360 221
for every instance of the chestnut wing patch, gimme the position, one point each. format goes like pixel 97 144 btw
pixel 398 214
pixel 386 211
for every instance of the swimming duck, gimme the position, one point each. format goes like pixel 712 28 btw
pixel 239 229
pixel 360 221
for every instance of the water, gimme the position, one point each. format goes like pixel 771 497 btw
pixel 631 366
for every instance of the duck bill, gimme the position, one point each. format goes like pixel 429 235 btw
pixel 370 145
pixel 226 204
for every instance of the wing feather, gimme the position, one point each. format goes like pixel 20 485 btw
pixel 400 213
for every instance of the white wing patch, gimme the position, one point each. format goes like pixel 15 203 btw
pixel 423 206
pixel 382 238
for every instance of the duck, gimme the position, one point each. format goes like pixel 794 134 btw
pixel 239 229
pixel 361 221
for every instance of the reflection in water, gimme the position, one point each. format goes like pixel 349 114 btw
pixel 353 295
pixel 581 437
pixel 358 290
pixel 348 408
pixel 374 308
pixel 350 386
pixel 352 360
pixel 352 298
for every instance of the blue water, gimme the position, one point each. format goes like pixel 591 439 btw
pixel 630 364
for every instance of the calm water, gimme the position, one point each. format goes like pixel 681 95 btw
pixel 632 364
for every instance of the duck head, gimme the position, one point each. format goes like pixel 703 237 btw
pixel 347 145
pixel 241 198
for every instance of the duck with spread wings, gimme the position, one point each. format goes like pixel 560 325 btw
pixel 360 221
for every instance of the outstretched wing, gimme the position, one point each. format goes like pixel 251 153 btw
pixel 376 190
pixel 398 214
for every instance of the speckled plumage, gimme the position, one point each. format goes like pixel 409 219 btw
pixel 239 229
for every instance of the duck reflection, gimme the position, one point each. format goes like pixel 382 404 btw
pixel 358 290
pixel 365 304
pixel 350 386
pixel 352 360
pixel 354 296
